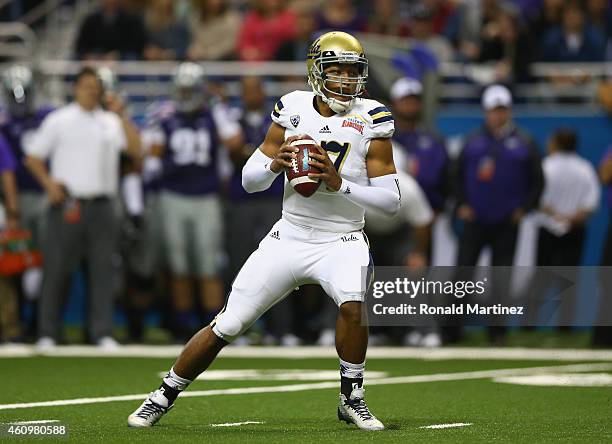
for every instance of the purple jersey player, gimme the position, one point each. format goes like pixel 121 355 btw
pixel 188 142
pixel 18 126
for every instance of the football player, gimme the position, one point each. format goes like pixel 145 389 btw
pixel 187 141
pixel 18 128
pixel 19 124
pixel 318 239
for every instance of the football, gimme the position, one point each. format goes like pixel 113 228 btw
pixel 298 174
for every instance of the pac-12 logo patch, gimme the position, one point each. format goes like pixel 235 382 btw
pixel 295 120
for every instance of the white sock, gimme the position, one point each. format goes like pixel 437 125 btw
pixel 350 370
pixel 175 381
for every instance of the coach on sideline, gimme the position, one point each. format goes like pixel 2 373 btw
pixel 499 179
pixel 82 142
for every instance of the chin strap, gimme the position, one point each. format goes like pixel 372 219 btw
pixel 338 106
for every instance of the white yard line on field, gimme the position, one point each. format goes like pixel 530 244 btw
pixel 447 426
pixel 171 351
pixel 42 421
pixel 234 424
pixel 458 376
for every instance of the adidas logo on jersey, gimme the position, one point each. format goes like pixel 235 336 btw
pixel 275 235
pixel 325 130
pixel 350 238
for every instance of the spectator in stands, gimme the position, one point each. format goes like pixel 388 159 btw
pixel 340 15
pixel 18 128
pixel 215 27
pixel 498 180
pixel 575 40
pixel 188 141
pixel 571 195
pixel 470 23
pixel 386 20
pixel 602 335
pixel 111 34
pixel 422 32
pixel 547 18
pixel 82 143
pixel 442 11
pixel 599 15
pixel 264 29
pixel 508 46
pixel 167 37
pixel 297 48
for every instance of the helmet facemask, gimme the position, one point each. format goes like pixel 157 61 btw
pixel 350 87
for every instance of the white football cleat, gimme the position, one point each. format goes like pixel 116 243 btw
pixel 150 411
pixel 354 410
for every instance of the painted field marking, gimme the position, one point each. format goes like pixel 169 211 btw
pixel 458 376
pixel 234 424
pixel 560 380
pixel 264 374
pixel 447 426
pixel 42 421
pixel 171 351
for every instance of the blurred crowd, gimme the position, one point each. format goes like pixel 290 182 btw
pixel 508 34
pixel 156 221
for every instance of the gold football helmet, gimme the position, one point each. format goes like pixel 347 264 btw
pixel 337 48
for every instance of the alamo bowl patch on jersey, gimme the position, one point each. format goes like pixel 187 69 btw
pixel 346 138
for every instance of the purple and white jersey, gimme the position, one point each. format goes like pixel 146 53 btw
pixel 191 149
pixel 18 133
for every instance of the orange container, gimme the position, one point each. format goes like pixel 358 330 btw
pixel 17 252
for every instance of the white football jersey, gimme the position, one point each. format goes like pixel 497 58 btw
pixel 346 138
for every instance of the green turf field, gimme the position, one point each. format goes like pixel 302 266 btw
pixel 406 395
